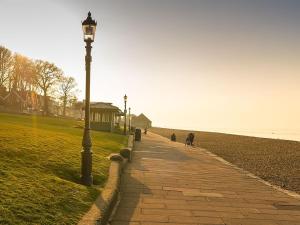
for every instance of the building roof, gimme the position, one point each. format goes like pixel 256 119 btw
pixel 20 95
pixel 104 106
pixel 142 117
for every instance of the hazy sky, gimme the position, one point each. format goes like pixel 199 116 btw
pixel 202 64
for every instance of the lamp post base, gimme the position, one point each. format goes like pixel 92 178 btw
pixel 86 168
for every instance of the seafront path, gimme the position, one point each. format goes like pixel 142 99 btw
pixel 168 183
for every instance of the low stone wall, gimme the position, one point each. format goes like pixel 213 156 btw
pixel 101 210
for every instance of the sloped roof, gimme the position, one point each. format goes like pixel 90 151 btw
pixel 143 117
pixel 8 94
pixel 104 105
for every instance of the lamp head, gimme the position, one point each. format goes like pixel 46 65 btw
pixel 89 28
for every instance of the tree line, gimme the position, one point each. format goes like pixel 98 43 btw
pixel 20 73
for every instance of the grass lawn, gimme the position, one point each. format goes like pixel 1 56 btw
pixel 274 160
pixel 40 169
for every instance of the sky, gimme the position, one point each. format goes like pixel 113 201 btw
pixel 215 65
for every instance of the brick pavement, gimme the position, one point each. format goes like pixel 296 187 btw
pixel 168 183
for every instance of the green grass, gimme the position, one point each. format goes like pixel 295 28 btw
pixel 40 169
pixel 274 160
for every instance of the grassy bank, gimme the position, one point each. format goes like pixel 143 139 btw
pixel 40 169
pixel 277 161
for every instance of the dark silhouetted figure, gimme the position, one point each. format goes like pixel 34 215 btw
pixel 173 137
pixel 190 139
pixel 145 132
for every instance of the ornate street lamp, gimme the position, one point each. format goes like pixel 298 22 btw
pixel 129 120
pixel 125 112
pixel 89 29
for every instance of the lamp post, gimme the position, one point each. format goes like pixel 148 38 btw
pixel 125 112
pixel 129 120
pixel 89 29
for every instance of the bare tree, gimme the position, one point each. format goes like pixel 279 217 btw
pixel 47 75
pixel 23 75
pixel 67 87
pixel 6 63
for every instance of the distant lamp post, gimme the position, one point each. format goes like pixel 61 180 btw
pixel 129 120
pixel 125 112
pixel 89 29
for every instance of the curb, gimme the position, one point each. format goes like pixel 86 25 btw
pixel 101 210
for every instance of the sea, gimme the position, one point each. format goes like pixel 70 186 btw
pixel 293 135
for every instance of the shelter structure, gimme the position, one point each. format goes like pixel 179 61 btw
pixel 105 116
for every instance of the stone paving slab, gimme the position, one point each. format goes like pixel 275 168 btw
pixel 168 183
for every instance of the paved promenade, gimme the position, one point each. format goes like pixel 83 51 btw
pixel 168 183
